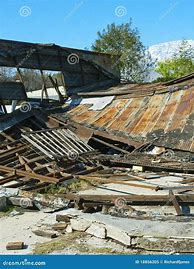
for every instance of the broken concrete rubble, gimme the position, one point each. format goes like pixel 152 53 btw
pixel 98 230
pixel 80 225
pixel 3 202
pixel 137 233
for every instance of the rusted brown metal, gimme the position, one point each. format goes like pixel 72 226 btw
pixel 165 118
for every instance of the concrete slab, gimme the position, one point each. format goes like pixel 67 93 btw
pixel 3 202
pixel 98 230
pixel 146 228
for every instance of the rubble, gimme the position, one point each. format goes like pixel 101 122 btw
pixel 80 225
pixel 3 203
pixel 98 230
pixel 131 145
pixel 15 245
pixel 43 233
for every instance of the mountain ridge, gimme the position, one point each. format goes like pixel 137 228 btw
pixel 165 50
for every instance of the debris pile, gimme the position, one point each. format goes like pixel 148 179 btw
pixel 131 144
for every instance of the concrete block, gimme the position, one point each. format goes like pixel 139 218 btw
pixel 80 224
pixel 23 202
pixel 15 245
pixel 8 192
pixel 3 203
pixel 98 230
pixel 137 168
pixel 118 235
pixel 69 229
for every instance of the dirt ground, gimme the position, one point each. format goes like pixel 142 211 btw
pixel 18 226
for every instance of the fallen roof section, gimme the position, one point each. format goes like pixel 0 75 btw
pixel 163 115
pixel 79 67
pixel 12 91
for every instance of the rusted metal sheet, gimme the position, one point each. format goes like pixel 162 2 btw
pixel 167 117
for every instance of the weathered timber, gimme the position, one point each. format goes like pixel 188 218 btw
pixel 15 245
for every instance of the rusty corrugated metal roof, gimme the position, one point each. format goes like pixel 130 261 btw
pixel 166 117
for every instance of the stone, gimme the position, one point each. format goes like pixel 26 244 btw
pixel 48 234
pixel 80 224
pixel 15 245
pixel 62 218
pixel 118 235
pixel 59 227
pixel 137 168
pixel 167 246
pixel 8 192
pixel 69 229
pixel 98 230
pixel 3 203
pixel 22 202
pixel 15 213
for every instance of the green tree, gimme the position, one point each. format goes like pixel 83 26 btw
pixel 31 78
pixel 124 42
pixel 182 63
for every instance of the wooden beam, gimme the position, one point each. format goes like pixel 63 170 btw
pixel 131 198
pixel 109 145
pixel 43 178
pixel 90 179
pixel 175 203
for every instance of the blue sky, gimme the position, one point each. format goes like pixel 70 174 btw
pixel 74 23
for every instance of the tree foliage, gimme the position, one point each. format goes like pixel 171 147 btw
pixel 31 78
pixel 181 64
pixel 124 42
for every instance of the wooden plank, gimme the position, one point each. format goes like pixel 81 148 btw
pixel 62 218
pixel 175 203
pixel 132 198
pixel 59 226
pixel 86 178
pixel 15 245
pixel 45 233
pixel 109 145
pixel 29 174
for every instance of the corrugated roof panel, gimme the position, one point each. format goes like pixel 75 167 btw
pixel 108 115
pixel 168 111
pixel 124 109
pixel 150 116
pixel 138 107
pixel 168 116
pixel 183 110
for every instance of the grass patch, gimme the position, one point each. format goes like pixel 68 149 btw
pixel 74 186
pixel 6 212
pixel 65 241
pixel 68 241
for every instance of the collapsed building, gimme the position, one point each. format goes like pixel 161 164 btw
pixel 134 140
